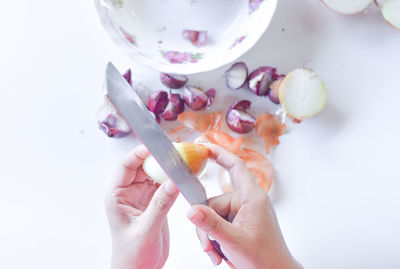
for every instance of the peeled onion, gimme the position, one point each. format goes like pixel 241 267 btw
pixel 173 81
pixel 195 98
pixel 302 94
pixel 391 12
pixel 195 156
pixel 111 123
pixel 347 7
pixel 238 119
pixel 236 76
pixel 175 107
pixel 260 80
pixel 158 101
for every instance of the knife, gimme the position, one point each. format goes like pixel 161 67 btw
pixel 133 110
pixel 139 118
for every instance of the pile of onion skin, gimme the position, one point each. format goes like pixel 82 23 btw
pixel 300 94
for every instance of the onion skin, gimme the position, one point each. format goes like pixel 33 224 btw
pixel 195 98
pixel 270 128
pixel 237 118
pixel 236 76
pixel 201 122
pixel 175 107
pixel 158 101
pixel 198 38
pixel 260 80
pixel 173 81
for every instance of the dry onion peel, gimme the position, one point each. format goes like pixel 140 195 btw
pixel 222 139
pixel 270 128
pixel 201 122
pixel 260 167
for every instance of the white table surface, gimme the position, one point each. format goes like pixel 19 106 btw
pixel 336 192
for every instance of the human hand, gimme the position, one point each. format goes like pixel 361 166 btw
pixel 243 222
pixel 137 210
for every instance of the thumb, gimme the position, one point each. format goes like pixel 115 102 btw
pixel 159 206
pixel 207 220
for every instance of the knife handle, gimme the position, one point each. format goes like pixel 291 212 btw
pixel 218 248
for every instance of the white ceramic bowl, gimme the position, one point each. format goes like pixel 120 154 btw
pixel 151 30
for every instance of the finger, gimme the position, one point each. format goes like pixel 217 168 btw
pixel 126 172
pixel 216 259
pixel 157 210
pixel 239 174
pixel 207 220
pixel 208 247
pixel 205 241
pixel 225 205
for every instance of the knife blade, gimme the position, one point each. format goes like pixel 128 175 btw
pixel 133 110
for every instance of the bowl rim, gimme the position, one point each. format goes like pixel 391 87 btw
pixel 185 69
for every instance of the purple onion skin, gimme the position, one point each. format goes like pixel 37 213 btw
pixel 128 76
pixel 236 66
pixel 158 101
pixel 211 93
pixel 195 98
pixel 173 81
pixel 237 118
pixel 175 107
pixel 260 80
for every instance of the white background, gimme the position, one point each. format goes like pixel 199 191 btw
pixel 336 193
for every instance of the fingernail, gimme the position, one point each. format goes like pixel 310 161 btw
pixel 195 216
pixel 213 257
pixel 170 188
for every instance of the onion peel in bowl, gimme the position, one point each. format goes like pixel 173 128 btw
pixel 222 139
pixel 201 122
pixel 270 128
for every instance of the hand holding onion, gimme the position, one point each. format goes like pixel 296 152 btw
pixel 137 210
pixel 246 215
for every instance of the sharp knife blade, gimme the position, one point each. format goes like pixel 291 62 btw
pixel 134 111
